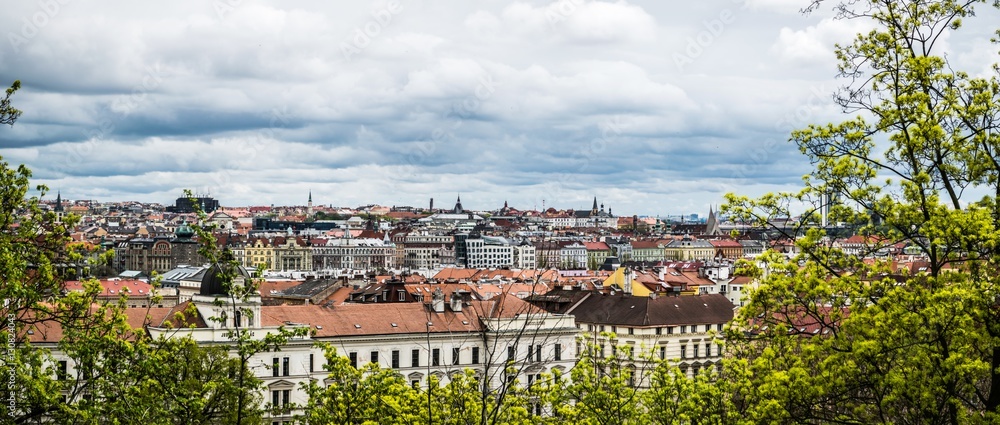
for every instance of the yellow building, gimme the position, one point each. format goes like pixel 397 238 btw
pixel 689 249
pixel 258 252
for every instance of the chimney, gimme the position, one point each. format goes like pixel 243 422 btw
pixel 437 300
pixel 456 302
pixel 628 281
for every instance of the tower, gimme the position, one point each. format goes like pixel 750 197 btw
pixel 58 208
pixel 458 206
pixel 712 223
pixel 309 205
pixel 593 210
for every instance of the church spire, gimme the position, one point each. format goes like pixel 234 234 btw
pixel 593 210
pixel 59 207
pixel 458 206
pixel 712 223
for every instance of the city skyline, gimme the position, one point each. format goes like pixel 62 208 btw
pixel 656 108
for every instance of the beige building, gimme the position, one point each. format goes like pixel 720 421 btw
pixel 688 249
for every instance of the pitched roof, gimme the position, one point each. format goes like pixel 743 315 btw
pixel 627 310
pixel 370 319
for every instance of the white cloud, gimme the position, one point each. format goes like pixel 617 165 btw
pixel 494 100
pixel 814 45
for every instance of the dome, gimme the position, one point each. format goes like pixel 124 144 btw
pixel 213 283
pixel 184 231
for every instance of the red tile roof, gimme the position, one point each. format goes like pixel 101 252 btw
pixel 370 319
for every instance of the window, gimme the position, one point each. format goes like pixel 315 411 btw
pixel 663 352
pixel 684 349
pixel 275 367
pixel 61 371
pixel 695 350
pixel 279 398
pixel 402 296
pixel 684 329
pixel 475 355
pixel 670 330
pixel 238 318
pixel 395 359
pixel 531 352
pixel 285 366
pixel 415 358
pixel 659 331
pixel 312 364
pixel 436 357
pixel 719 327
pixel 374 357
pixel 511 353
pixel 455 352
pixel 538 353
pixel 614 329
pixel 708 350
pixel 354 359
pixel 557 352
pixel 631 331
pixel 600 354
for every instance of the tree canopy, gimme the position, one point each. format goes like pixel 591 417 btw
pixel 833 338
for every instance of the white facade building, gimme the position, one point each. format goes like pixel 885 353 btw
pixel 489 252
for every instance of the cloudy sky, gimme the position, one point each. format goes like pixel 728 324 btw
pixel 654 107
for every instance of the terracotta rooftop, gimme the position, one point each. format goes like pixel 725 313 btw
pixel 351 319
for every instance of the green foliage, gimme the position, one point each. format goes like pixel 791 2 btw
pixel 828 338
pixel 356 396
pixel 604 387
pixel 9 114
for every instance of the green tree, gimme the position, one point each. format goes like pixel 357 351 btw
pixel 830 338
pixel 71 359
pixel 9 114
pixel 604 386
pixel 370 394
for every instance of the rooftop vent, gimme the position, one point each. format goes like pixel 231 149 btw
pixel 357 326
